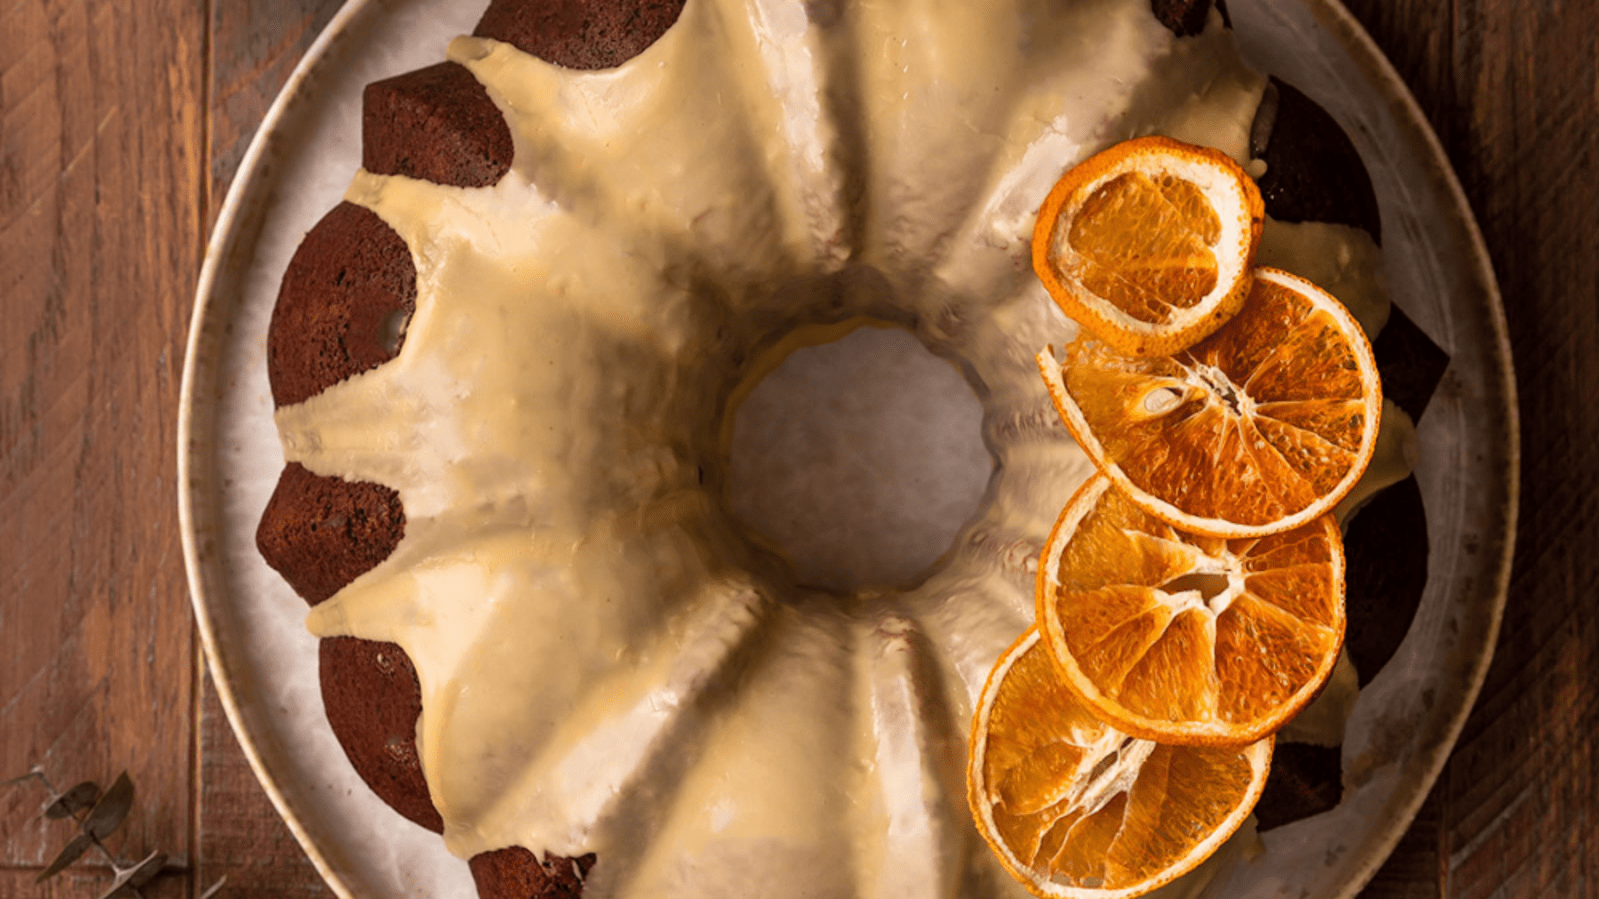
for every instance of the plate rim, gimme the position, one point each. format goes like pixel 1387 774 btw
pixel 1410 118
pixel 198 565
pixel 201 561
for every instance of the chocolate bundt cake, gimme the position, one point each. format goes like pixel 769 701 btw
pixel 503 363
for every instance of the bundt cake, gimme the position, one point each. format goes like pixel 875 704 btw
pixel 503 368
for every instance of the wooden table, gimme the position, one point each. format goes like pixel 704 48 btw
pixel 121 124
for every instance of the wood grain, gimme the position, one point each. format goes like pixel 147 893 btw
pixel 241 836
pixel 121 125
pixel 1513 92
pixel 102 116
pixel 83 882
pixel 255 46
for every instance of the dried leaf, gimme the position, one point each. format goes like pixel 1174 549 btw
pixel 112 808
pixel 68 854
pixel 214 888
pixel 75 800
pixel 130 879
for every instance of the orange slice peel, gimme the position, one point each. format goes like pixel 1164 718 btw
pixel 1184 638
pixel 1190 598
pixel 1150 244
pixel 1261 427
pixel 1075 809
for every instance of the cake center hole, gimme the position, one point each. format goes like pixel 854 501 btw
pixel 861 459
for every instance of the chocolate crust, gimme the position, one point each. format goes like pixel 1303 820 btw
pixel 320 533
pixel 1313 171
pixel 599 34
pixel 373 699
pixel 1186 18
pixel 1386 550
pixel 342 309
pixel 1410 364
pixel 515 873
pixel 579 34
pixel 436 124
pixel 343 305
pixel 1305 780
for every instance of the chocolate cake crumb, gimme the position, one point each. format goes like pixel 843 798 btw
pixel 320 533
pixel 436 124
pixel 515 873
pixel 1305 780
pixel 373 699
pixel 335 315
pixel 1184 18
pixel 1385 551
pixel 1409 362
pixel 1313 171
pixel 580 34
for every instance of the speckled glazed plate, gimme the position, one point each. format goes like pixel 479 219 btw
pixel 264 661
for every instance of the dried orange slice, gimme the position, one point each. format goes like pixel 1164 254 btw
pixel 1261 427
pixel 1075 809
pixel 1150 243
pixel 1182 638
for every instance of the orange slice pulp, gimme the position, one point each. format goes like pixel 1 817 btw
pixel 1077 810
pixel 1150 243
pixel 1261 427
pixel 1182 638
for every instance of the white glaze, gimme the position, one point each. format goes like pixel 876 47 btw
pixel 1342 260
pixel 606 665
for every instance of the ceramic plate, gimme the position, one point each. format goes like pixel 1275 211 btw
pixel 264 660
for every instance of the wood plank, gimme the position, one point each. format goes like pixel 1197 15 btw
pixel 1413 871
pixel 1513 91
pixel 255 46
pixel 243 838
pixel 83 881
pixel 101 159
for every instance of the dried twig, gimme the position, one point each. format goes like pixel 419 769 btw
pixel 97 816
